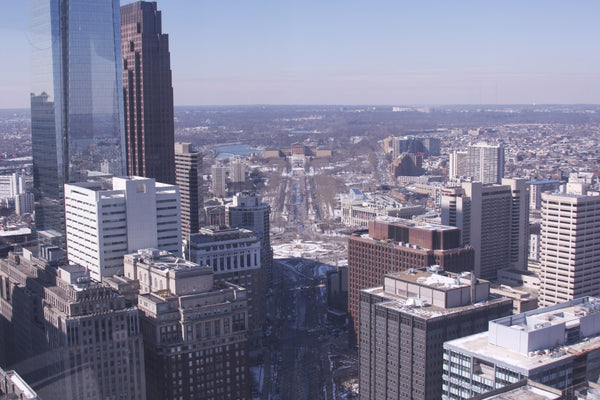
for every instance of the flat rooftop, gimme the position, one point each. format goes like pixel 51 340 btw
pixel 170 262
pixel 527 392
pixel 416 307
pixel 416 224
pixel 445 282
pixel 569 314
pixel 479 346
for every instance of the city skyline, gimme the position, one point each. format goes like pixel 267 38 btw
pixel 428 52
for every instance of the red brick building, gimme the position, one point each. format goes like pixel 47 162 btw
pixel 394 245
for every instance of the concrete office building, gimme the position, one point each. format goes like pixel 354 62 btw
pixel 219 186
pixel 24 203
pixel 536 188
pixel 404 323
pixel 234 256
pixel 570 236
pixel 407 164
pixel 394 244
pixel 358 208
pixel 195 331
pixel 486 163
pixel 429 146
pixel 188 176
pixel 458 164
pixel 76 99
pixel 493 220
pixel 105 223
pixel 249 212
pixel 558 346
pixel 95 341
pixel 147 93
pixel 12 185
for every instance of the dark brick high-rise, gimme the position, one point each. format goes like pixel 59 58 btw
pixel 147 93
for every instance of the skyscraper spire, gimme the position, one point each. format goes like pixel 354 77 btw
pixel 148 93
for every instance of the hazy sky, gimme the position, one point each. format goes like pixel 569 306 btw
pixel 360 52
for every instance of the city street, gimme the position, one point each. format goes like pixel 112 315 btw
pixel 304 354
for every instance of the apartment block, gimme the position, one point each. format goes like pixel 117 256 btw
pixel 486 163
pixel 219 186
pixel 458 164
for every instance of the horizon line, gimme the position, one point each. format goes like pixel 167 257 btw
pixel 363 105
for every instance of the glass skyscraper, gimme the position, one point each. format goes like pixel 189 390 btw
pixel 77 99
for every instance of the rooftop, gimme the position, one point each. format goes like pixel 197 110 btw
pixel 413 223
pixel 539 337
pixel 480 346
pixel 25 391
pixel 163 260
pixel 422 309
pixel 432 279
pixel 543 181
pixel 524 390
pixel 397 293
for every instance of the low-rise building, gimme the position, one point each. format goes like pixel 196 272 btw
pixel 358 208
pixel 558 346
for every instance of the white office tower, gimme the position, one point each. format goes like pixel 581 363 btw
pixel 219 187
pixel 458 164
pixel 486 162
pixel 570 247
pixel 105 223
pixel 493 220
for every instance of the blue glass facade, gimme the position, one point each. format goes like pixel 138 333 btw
pixel 76 99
